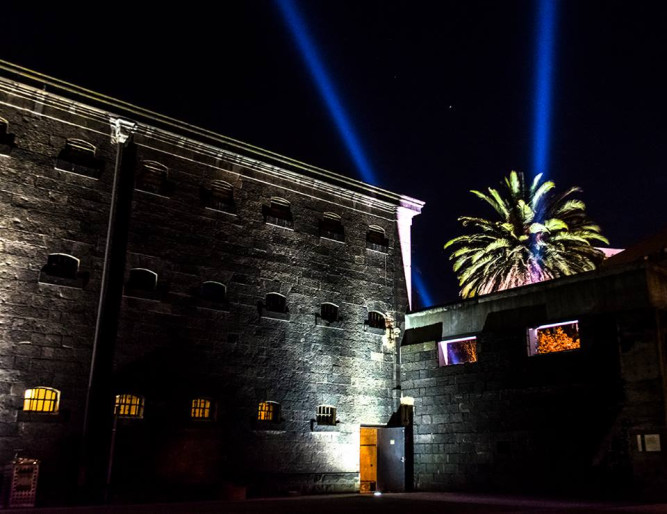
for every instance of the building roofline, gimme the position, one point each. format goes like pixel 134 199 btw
pixel 53 86
pixel 531 288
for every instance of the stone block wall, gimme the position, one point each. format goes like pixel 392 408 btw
pixel 173 346
pixel 47 328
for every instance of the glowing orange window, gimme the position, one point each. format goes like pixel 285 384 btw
pixel 555 337
pixel 129 406
pixel 268 412
pixel 41 399
pixel 201 409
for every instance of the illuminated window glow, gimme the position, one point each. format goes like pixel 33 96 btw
pixel 556 337
pixel 457 351
pixel 41 399
pixel 326 415
pixel 268 412
pixel 201 409
pixel 129 406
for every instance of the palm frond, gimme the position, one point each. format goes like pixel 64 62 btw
pixel 539 236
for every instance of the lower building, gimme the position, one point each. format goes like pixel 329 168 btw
pixel 552 387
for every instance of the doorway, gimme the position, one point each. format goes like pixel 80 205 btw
pixel 368 457
pixel 382 459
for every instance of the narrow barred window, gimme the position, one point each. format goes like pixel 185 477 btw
pixel 376 240
pixel 331 227
pixel 78 156
pixel 278 213
pixel 329 312
pixel 375 320
pixel 326 415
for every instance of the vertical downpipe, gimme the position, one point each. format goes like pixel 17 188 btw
pixel 96 433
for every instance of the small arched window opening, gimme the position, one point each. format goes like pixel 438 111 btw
pixel 279 213
pixel 329 312
pixel 376 320
pixel 219 195
pixel 62 269
pixel 61 265
pixel 152 178
pixel 331 227
pixel 201 409
pixel 326 415
pixel 129 406
pixel 376 240
pixel 213 292
pixel 78 156
pixel 142 279
pixel 275 302
pixel 6 139
pixel 41 399
pixel 268 412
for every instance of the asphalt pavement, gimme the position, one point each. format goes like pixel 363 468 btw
pixel 390 503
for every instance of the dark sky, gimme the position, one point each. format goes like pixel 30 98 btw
pixel 439 91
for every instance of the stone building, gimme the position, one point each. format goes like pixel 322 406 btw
pixel 186 313
pixel 552 387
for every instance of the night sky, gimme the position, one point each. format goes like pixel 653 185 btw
pixel 440 93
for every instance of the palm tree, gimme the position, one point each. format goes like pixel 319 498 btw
pixel 540 235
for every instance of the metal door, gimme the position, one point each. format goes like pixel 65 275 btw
pixel 391 459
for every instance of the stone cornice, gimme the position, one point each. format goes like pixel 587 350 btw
pixel 77 101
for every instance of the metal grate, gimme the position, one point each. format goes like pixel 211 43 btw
pixel 326 415
pixel 329 312
pixel 376 320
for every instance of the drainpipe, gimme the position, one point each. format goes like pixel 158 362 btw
pixel 98 414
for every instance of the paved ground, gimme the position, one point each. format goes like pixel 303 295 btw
pixel 405 503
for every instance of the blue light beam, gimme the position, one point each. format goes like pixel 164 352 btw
pixel 326 88
pixel 544 71
pixel 420 286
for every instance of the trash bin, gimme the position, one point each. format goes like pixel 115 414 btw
pixel 22 476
